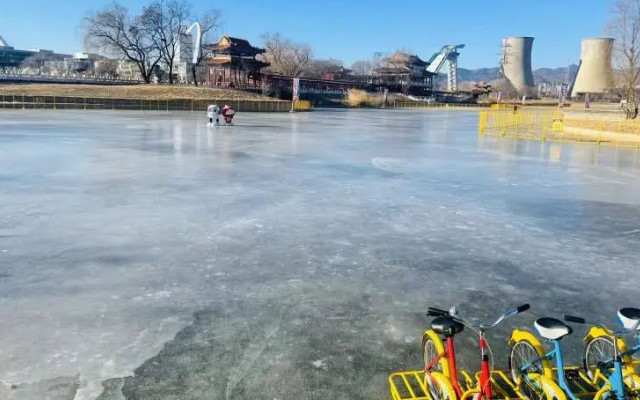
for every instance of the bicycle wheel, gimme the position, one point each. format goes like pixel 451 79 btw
pixel 599 350
pixel 530 380
pixel 439 387
pixel 431 353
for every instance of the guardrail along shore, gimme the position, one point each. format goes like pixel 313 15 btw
pixel 86 103
pixel 436 106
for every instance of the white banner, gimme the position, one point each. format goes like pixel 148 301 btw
pixel 296 89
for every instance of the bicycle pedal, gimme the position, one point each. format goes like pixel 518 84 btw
pixel 572 375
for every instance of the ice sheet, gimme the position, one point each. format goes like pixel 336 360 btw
pixel 291 255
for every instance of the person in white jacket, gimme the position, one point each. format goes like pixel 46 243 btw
pixel 213 111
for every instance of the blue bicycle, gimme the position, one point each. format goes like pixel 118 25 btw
pixel 607 359
pixel 610 377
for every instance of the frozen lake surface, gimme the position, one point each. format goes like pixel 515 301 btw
pixel 147 256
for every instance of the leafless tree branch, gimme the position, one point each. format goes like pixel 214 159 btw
pixel 624 27
pixel 114 31
pixel 285 56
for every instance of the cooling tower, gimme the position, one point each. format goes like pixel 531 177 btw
pixel 595 74
pixel 516 62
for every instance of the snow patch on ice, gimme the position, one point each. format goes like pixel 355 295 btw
pixel 394 165
pixel 320 364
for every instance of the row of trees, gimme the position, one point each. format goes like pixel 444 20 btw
pixel 624 27
pixel 290 58
pixel 150 38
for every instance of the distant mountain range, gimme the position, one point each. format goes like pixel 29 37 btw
pixel 541 75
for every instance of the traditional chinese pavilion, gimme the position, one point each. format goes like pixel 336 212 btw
pixel 232 63
pixel 405 73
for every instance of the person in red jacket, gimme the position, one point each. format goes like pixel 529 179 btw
pixel 228 113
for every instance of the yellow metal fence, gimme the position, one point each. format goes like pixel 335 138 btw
pixel 438 106
pixel 558 125
pixel 302 105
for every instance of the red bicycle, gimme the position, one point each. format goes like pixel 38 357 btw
pixel 442 377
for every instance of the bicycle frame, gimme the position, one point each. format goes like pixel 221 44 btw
pixel 615 380
pixel 616 377
pixel 628 353
pixel 483 388
pixel 485 375
pixel 632 350
pixel 450 354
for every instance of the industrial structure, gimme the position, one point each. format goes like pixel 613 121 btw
pixel 515 64
pixel 449 55
pixel 594 71
pixel 187 52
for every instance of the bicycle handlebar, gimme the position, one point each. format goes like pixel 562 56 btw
pixel 436 312
pixel 577 320
pixel 510 313
pixel 580 320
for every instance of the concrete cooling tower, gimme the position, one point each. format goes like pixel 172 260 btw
pixel 594 74
pixel 516 62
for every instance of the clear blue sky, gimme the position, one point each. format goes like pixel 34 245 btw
pixel 352 29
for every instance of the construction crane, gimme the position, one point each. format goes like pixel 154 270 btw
pixel 449 55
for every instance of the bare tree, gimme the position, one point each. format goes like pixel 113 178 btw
pixel 34 61
pixel 505 87
pixel 362 68
pixel 107 68
pixel 318 68
pixel 285 56
pixel 165 21
pixel 209 23
pixel 624 26
pixel 114 31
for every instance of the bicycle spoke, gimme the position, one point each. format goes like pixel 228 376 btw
pixel 598 347
pixel 525 362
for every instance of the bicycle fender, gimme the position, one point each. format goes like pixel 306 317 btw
pixel 596 331
pixel 551 389
pixel 444 383
pixel 519 335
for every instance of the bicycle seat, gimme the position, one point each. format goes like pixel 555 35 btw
pixel 551 328
pixel 629 317
pixel 446 326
